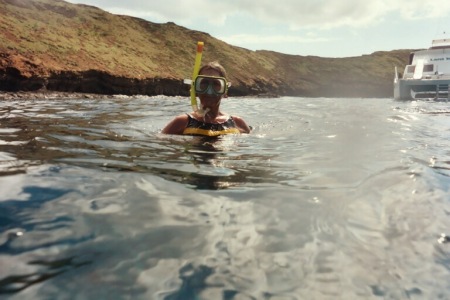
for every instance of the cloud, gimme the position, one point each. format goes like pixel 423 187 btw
pixel 316 14
pixel 416 10
pixel 247 39
pixel 295 14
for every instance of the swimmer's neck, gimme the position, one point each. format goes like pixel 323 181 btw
pixel 209 116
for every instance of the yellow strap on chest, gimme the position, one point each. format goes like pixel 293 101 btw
pixel 209 132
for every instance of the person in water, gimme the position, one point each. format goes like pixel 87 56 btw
pixel 211 86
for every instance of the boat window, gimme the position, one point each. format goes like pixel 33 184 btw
pixel 410 69
pixel 428 68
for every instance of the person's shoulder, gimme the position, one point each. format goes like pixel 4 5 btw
pixel 177 125
pixel 241 124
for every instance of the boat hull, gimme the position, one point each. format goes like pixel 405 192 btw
pixel 408 89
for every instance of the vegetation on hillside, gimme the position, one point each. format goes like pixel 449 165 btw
pixel 41 38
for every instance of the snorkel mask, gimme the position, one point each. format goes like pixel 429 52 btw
pixel 211 85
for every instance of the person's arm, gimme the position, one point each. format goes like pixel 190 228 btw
pixel 177 125
pixel 242 126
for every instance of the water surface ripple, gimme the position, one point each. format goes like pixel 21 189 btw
pixel 325 199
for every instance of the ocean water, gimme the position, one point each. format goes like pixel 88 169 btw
pixel 325 199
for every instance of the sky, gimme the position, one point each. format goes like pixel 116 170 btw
pixel 326 28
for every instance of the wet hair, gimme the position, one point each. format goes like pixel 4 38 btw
pixel 215 65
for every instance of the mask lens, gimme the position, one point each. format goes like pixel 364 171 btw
pixel 210 85
pixel 202 85
pixel 218 86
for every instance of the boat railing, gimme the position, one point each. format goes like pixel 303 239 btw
pixel 428 76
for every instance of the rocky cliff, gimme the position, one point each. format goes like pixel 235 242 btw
pixel 58 46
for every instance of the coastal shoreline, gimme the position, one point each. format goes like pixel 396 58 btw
pixel 52 95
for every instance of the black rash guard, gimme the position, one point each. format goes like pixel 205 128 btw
pixel 195 127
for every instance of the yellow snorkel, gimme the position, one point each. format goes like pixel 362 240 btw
pixel 198 60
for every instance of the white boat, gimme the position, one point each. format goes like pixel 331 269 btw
pixel 427 75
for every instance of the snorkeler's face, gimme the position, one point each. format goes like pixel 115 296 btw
pixel 210 101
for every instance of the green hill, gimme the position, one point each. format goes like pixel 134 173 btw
pixel 59 46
